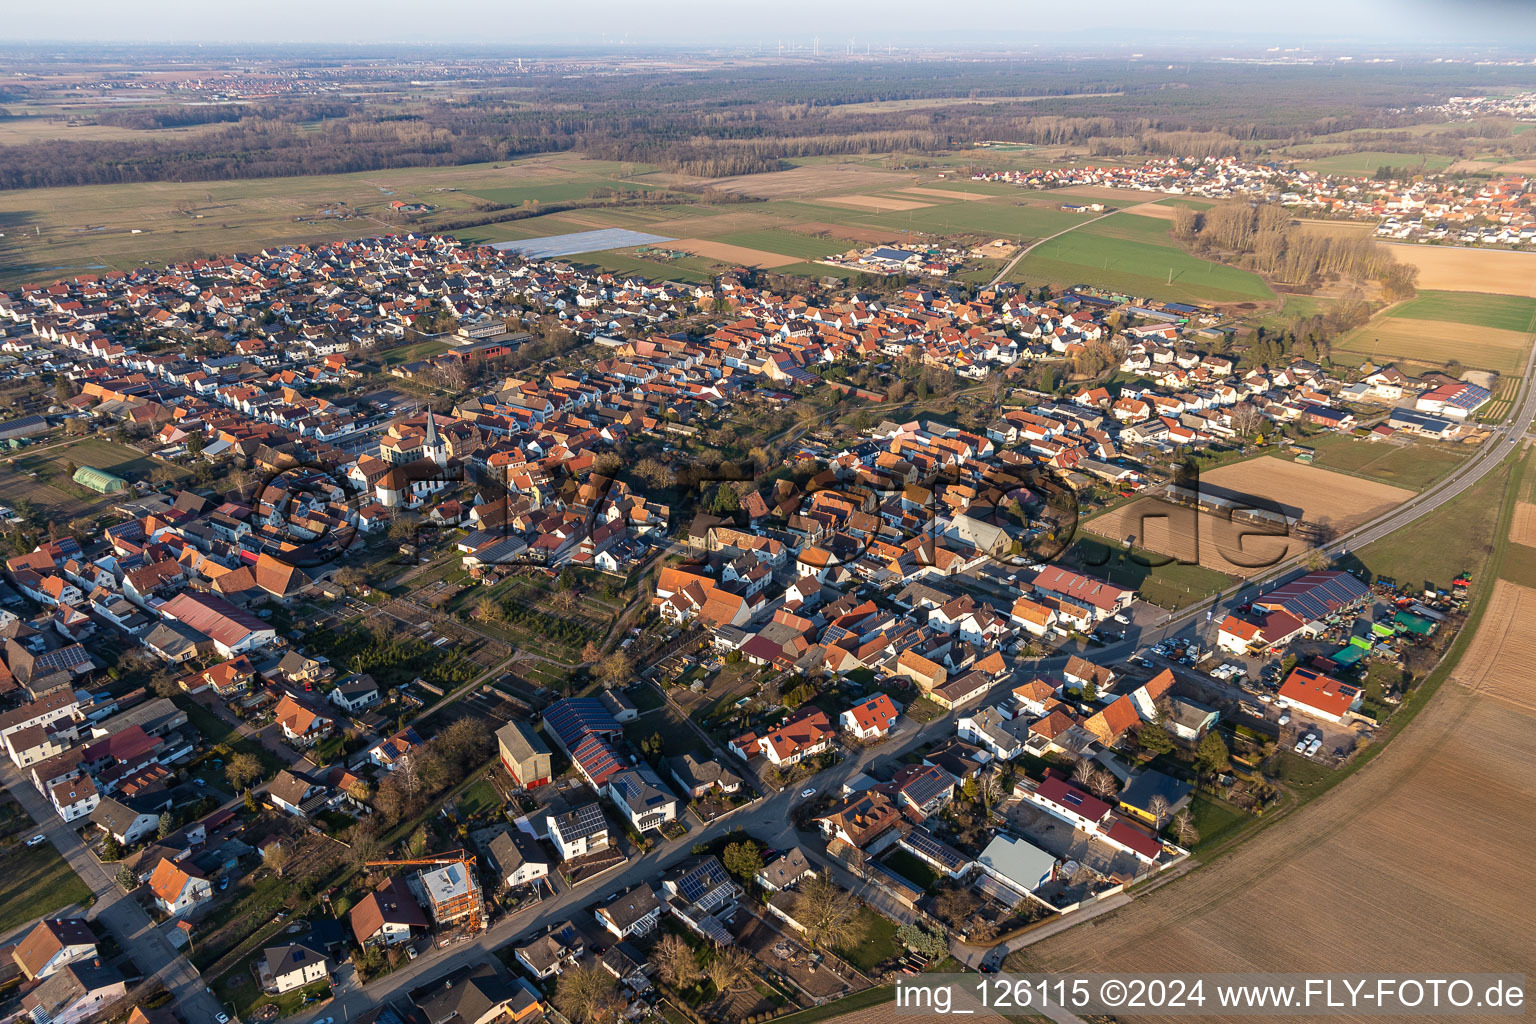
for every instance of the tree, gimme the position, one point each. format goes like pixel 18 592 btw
pixel 127 879
pixel 242 770
pixel 1154 737
pixel 744 859
pixel 1184 829
pixel 1104 784
pixel 592 652
pixel 616 670
pixel 111 849
pixel 167 824
pixel 585 993
pixel 731 968
pixel 277 857
pixel 827 913
pixel 675 962
pixel 1212 755
pixel 1159 808
pixel 1082 771
pixel 363 842
pixel 920 940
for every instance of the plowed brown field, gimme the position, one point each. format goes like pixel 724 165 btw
pixel 1522 528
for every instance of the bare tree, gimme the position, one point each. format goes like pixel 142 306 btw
pixel 827 914
pixel 277 857
pixel 1082 771
pixel 989 789
pixel 585 993
pixel 1158 805
pixel 675 962
pixel 731 968
pixel 1104 784
pixel 1184 828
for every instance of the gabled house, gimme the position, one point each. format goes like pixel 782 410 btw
pixel 179 887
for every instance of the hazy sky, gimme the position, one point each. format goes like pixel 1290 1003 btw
pixel 1496 23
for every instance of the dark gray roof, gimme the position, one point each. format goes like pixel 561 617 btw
pixel 282 960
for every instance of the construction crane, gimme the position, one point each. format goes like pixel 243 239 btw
pixel 452 897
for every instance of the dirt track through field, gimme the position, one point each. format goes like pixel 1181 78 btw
pixel 1459 269
pixel 1522 528
pixel 1412 864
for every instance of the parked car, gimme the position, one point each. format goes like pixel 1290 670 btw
pixel 1314 746
pixel 806 794
pixel 1301 744
pixel 1285 718
pixel 37 840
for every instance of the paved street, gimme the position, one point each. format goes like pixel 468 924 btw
pixel 119 913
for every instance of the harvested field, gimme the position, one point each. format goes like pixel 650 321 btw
pixel 1498 664
pixel 945 193
pixel 816 179
pixel 1244 547
pixel 1471 270
pixel 1448 801
pixel 1336 228
pixel 1343 502
pixel 732 253
pixel 1522 528
pixel 878 203
pixel 1195 538
pixel 1438 341
pixel 1522 167
pixel 1157 211
pixel 1104 192
pixel 875 236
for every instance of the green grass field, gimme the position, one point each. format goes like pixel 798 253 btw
pixel 1138 257
pixel 786 243
pixel 1365 164
pixel 1172 586
pixel 981 217
pixel 557 192
pixel 1499 312
pixel 38 882
pixel 1456 537
pixel 1415 466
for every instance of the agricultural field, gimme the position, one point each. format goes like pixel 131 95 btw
pixel 1135 255
pixel 1460 269
pixel 1279 903
pixel 1433 549
pixel 40 475
pixel 1490 332
pixel 1498 662
pixel 1503 401
pixel 1172 586
pixel 1498 312
pixel 59 231
pixel 1363 165
pixel 1415 465
pixel 1242 548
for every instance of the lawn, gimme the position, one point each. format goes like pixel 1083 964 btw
pixel 1297 772
pixel 1214 818
pixel 655 270
pixel 1137 257
pixel 912 869
pixel 38 882
pixel 1415 465
pixel 411 353
pixel 1456 537
pixel 878 944
pixel 1172 586
pixel 1500 312
pixel 480 797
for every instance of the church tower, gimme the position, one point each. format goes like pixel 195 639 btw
pixel 433 447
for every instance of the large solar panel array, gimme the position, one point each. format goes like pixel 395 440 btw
pixel 1315 595
pixel 701 879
